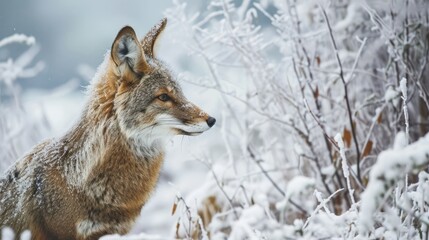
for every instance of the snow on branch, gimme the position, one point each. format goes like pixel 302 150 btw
pixel 18 38
pixel 18 130
pixel 392 166
pixel 12 69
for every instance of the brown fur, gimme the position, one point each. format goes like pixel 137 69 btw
pixel 95 180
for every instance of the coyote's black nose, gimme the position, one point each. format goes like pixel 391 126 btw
pixel 211 121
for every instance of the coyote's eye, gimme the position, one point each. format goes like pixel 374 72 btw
pixel 164 97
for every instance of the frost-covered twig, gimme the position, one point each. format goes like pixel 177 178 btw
pixel 18 131
pixel 327 138
pixel 375 120
pixel 345 166
pixel 332 141
pixel 17 38
pixel 403 86
pixel 423 91
pixel 359 53
pixel 253 108
pixel 346 96
pixel 314 93
pixel 322 204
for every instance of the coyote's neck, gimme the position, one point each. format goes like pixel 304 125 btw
pixel 85 145
pixel 89 144
pixel 98 133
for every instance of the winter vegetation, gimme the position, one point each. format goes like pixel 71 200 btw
pixel 323 120
pixel 17 132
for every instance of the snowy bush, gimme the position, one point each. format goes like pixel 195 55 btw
pixel 312 95
pixel 18 131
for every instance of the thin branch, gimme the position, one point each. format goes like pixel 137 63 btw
pixel 296 21
pixel 253 157
pixel 221 188
pixel 346 95
pixel 332 141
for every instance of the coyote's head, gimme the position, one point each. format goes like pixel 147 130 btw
pixel 148 102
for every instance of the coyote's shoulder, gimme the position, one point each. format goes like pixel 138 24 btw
pixel 95 179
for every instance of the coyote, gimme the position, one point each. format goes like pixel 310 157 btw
pixel 95 179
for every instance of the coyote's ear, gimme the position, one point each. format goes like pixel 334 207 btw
pixel 127 52
pixel 149 40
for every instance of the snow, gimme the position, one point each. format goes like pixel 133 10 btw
pixel 253 215
pixel 26 235
pixel 350 19
pixel 391 94
pixel 297 187
pixel 391 167
pixel 339 139
pixel 403 87
pixel 345 166
pixel 7 234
